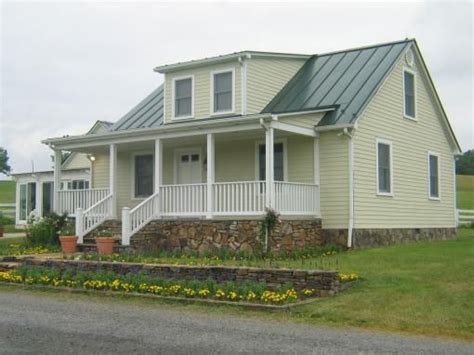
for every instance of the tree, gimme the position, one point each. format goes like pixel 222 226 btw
pixel 465 163
pixel 4 167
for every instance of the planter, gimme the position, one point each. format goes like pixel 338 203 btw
pixel 105 246
pixel 68 243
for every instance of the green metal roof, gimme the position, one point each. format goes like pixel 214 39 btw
pixel 148 113
pixel 345 80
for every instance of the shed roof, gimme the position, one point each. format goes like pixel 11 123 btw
pixel 345 80
pixel 148 113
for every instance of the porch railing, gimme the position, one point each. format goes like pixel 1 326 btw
pixel 183 200
pixel 135 219
pixel 92 217
pixel 70 200
pixel 242 197
pixel 296 198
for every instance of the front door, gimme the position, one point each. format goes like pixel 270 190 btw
pixel 189 167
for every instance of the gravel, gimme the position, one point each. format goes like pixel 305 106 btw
pixel 37 322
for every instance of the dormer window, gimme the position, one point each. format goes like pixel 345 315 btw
pixel 409 94
pixel 222 94
pixel 183 97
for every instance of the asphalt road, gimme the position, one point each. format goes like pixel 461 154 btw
pixel 42 323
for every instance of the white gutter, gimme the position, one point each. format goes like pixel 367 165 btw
pixel 334 127
pixel 350 225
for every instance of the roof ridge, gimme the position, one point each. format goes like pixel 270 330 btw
pixel 406 40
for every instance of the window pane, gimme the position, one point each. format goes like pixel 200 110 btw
pixel 183 97
pixel 409 82
pixel 384 167
pixel 278 167
pixel 143 175
pixel 47 197
pixel 31 197
pixel 434 180
pixel 23 202
pixel 223 92
pixel 195 157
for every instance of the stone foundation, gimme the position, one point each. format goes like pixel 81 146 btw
pixel 326 283
pixel 235 235
pixel 363 238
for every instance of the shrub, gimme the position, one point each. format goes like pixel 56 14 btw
pixel 45 231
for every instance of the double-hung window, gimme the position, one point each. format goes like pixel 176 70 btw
pixel 183 97
pixel 433 171
pixel 409 94
pixel 384 168
pixel 143 166
pixel 278 162
pixel 222 92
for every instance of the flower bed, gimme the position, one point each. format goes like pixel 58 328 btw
pixel 18 249
pixel 140 283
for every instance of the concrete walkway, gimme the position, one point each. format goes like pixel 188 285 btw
pixel 38 322
pixel 13 235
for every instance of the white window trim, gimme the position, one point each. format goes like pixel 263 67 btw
pixel 410 71
pixel 389 143
pixel 173 96
pixel 132 192
pixel 190 150
pixel 211 78
pixel 434 198
pixel 285 157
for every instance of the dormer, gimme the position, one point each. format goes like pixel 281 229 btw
pixel 235 84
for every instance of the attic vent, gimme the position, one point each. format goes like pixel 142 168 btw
pixel 409 57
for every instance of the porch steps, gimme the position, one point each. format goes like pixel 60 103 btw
pixel 89 244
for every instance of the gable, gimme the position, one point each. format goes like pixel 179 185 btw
pixel 343 80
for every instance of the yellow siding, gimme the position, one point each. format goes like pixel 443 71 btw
pixel 78 161
pixel 411 141
pixel 300 158
pixel 334 180
pixel 100 171
pixel 202 89
pixel 266 77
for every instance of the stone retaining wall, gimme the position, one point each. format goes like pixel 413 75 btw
pixel 325 282
pixel 362 238
pixel 235 235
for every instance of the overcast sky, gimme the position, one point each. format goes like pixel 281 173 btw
pixel 66 65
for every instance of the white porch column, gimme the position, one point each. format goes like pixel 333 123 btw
pixel 317 172
pixel 39 197
pixel 269 169
pixel 57 180
pixel 158 172
pixel 113 178
pixel 210 174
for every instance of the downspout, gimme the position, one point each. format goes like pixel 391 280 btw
pixel 350 225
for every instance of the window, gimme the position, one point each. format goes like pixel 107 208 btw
pixel 278 162
pixel 48 196
pixel 384 168
pixel 143 175
pixel 433 167
pixel 183 98
pixel 78 184
pixel 222 96
pixel 409 93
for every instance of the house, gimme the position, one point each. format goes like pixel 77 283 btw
pixel 350 147
pixel 35 189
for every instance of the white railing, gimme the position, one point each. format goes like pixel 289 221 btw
pixel 135 219
pixel 70 200
pixel 296 198
pixel 465 217
pixel 183 200
pixel 92 217
pixel 242 197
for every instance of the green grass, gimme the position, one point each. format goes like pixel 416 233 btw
pixel 7 191
pixel 465 191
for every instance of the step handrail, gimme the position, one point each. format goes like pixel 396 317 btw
pixel 92 217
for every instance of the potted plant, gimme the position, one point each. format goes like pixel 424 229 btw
pixel 68 239
pixel 105 242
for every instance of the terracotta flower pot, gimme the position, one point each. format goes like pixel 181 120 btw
pixel 105 246
pixel 68 243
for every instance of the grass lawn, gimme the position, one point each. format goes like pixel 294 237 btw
pixel 465 191
pixel 7 191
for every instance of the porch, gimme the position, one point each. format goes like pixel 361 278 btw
pixel 213 175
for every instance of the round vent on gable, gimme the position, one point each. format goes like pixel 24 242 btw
pixel 409 57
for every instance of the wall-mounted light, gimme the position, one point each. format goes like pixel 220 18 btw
pixel 91 157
